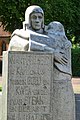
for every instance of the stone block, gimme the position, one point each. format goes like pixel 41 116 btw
pixel 30 91
pixel 27 86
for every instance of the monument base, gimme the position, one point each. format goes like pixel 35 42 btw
pixel 63 100
pixel 30 91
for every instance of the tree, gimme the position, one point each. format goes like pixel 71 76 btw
pixel 65 11
pixel 12 12
pixel 68 13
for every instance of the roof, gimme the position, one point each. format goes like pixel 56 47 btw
pixel 4 33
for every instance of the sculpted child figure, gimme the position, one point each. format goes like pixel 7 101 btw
pixel 56 31
pixel 61 45
pixel 54 40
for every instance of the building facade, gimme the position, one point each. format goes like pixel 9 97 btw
pixel 4 42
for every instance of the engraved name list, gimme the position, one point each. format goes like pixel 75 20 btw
pixel 30 86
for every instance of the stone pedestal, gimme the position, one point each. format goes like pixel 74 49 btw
pixel 30 91
pixel 27 86
pixel 63 100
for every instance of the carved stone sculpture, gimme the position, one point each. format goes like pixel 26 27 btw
pixel 35 36
pixel 34 26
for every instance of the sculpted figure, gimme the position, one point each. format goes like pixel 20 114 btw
pixel 35 36
pixel 34 26
pixel 34 23
pixel 61 45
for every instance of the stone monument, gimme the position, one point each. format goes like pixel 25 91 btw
pixel 29 92
pixel 38 71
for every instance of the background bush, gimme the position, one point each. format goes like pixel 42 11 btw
pixel 0 87
pixel 76 62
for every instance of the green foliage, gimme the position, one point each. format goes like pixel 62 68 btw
pixel 12 12
pixel 66 11
pixel 76 62
pixel 0 88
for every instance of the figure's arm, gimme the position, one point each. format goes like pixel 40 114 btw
pixel 19 41
pixel 58 56
pixel 18 44
pixel 35 46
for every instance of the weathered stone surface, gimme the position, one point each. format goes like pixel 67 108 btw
pixel 63 100
pixel 27 88
pixel 30 91
pixel 35 90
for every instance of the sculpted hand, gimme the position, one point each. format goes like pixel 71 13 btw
pixel 60 58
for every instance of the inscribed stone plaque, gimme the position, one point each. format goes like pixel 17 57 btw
pixel 29 91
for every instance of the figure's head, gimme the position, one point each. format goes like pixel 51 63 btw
pixel 34 18
pixel 56 28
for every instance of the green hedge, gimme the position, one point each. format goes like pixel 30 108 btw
pixel 76 62
pixel 0 87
